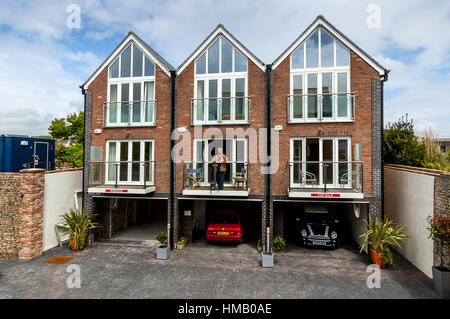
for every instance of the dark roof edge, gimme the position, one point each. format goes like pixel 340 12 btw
pixel 160 59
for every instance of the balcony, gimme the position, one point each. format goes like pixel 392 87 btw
pixel 214 111
pixel 332 180
pixel 121 177
pixel 136 113
pixel 311 108
pixel 199 179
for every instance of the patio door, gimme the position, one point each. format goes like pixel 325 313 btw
pixel 130 162
pixel 320 161
pixel 234 149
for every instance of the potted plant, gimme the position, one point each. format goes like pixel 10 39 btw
pixel 259 247
pixel 76 223
pixel 163 250
pixel 380 235
pixel 182 242
pixel 440 234
pixel 279 243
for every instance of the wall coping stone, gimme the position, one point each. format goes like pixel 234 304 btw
pixel 418 170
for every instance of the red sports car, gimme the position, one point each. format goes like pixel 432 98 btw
pixel 225 226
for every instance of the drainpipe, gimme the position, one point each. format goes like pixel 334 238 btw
pixel 172 171
pixel 268 177
pixel 83 91
pixel 383 79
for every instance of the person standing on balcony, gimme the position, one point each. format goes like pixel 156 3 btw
pixel 220 159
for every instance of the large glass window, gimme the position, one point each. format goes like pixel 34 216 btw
pixel 320 80
pixel 125 69
pixel 298 58
pixel 220 57
pixel 132 62
pixel 131 96
pixel 320 160
pixel 329 48
pixel 213 57
pixel 220 95
pixel 131 161
pixel 227 57
pixel 234 149
pixel 326 49
pixel 312 51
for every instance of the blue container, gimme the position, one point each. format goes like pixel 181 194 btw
pixel 18 152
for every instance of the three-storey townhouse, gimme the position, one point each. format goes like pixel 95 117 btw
pixel 220 103
pixel 127 138
pixel 327 97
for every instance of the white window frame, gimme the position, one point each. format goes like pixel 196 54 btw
pixel 320 118
pixel 232 76
pixel 130 81
pixel 319 71
pixel 205 158
pixel 129 165
pixel 335 159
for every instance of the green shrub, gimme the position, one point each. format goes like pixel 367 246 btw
pixel 162 238
pixel 279 243
pixel 388 259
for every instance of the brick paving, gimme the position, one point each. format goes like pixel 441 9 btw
pixel 127 269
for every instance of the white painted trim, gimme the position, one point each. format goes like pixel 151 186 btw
pixel 221 193
pixel 130 38
pixel 121 190
pixel 219 31
pixel 329 29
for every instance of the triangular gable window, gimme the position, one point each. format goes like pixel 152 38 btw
pixel 132 62
pixel 220 57
pixel 331 53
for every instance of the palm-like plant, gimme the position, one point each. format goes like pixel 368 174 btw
pixel 76 224
pixel 381 234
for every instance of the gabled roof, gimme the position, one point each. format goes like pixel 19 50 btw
pixel 321 22
pixel 220 30
pixel 131 37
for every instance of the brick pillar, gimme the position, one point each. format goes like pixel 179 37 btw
pixel 31 213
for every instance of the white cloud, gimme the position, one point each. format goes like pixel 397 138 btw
pixel 411 42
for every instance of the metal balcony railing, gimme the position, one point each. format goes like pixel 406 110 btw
pixel 225 110
pixel 133 173
pixel 345 175
pixel 135 113
pixel 321 107
pixel 203 174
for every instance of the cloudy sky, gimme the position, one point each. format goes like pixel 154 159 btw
pixel 43 61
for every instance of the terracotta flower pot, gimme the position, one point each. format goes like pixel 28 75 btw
pixel 74 244
pixel 377 258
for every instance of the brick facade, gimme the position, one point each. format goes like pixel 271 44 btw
pixel 361 75
pixel 159 133
pixel 268 91
pixel 256 83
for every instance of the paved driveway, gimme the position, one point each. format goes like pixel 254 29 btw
pixel 118 269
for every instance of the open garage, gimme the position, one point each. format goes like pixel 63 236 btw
pixel 131 218
pixel 196 214
pixel 345 219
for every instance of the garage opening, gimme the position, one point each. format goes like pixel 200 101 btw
pixel 344 219
pixel 195 216
pixel 132 219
